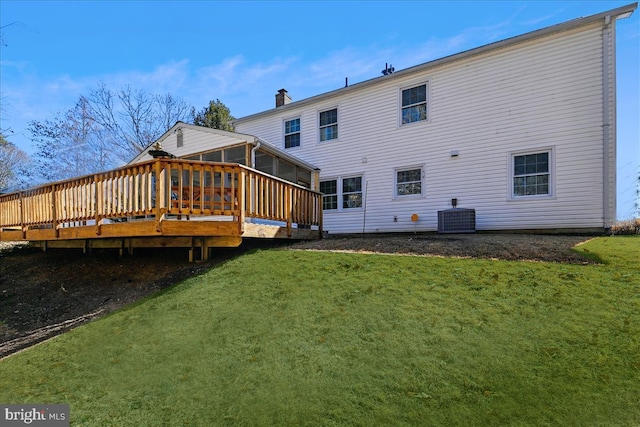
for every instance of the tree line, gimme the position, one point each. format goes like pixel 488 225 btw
pixel 103 130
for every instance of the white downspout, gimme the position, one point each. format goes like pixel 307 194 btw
pixel 609 121
pixel 253 153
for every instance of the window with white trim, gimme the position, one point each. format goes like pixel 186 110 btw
pixel 329 190
pixel 341 193
pixel 408 182
pixel 531 174
pixel 329 124
pixel 352 192
pixel 414 104
pixel 292 133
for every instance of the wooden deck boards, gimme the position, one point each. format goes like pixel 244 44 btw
pixel 162 203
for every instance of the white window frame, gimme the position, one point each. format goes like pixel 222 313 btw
pixel 551 173
pixel 320 127
pixel 427 103
pixel 341 193
pixel 337 194
pixel 405 169
pixel 284 132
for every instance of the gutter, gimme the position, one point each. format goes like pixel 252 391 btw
pixel 621 12
pixel 608 122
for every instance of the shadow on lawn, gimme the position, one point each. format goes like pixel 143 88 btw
pixel 45 294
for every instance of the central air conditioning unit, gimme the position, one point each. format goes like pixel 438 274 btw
pixel 457 220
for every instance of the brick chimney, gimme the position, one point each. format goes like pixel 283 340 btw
pixel 282 98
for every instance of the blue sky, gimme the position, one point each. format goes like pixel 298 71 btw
pixel 243 52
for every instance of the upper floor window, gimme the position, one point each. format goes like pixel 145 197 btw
pixel 408 182
pixel 531 174
pixel 414 104
pixel 329 124
pixel 292 133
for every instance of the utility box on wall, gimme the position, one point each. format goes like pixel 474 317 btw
pixel 457 220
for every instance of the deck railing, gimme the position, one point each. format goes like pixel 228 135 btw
pixel 160 189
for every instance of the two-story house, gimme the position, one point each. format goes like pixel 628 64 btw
pixel 518 135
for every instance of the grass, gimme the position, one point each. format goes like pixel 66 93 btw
pixel 280 337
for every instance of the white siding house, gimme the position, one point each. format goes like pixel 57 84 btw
pixel 522 131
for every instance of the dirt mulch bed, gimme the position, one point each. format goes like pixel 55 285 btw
pixel 512 247
pixel 45 294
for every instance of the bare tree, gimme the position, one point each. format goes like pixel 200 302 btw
pixel 14 166
pixel 103 130
pixel 71 144
pixel 134 119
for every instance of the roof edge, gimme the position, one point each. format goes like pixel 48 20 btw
pixel 563 26
pixel 251 139
pixel 240 136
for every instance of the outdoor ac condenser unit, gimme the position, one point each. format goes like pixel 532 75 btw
pixel 457 220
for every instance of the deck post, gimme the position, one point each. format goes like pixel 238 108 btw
pixel 241 200
pixel 290 209
pixel 160 186
pixel 54 212
pixel 316 180
pixel 98 203
pixel 22 226
pixel 320 208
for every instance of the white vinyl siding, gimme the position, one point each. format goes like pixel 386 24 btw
pixel 541 93
pixel 195 142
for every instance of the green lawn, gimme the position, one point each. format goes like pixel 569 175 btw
pixel 279 337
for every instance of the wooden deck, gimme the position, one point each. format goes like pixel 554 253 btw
pixel 162 203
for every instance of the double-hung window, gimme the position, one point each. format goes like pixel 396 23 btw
pixel 414 104
pixel 329 190
pixel 292 133
pixel 341 193
pixel 408 182
pixel 531 174
pixel 329 124
pixel 352 192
